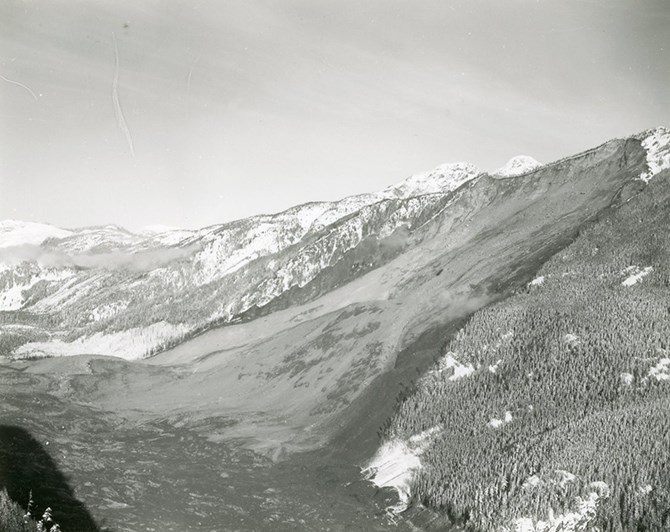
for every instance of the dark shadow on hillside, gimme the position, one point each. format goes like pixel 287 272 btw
pixel 24 466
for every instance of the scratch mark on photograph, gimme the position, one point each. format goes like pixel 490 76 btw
pixel 120 119
pixel 32 93
pixel 188 85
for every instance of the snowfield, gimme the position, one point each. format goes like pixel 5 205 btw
pixel 516 166
pixel 131 344
pixel 17 233
pixel 636 274
pixel 395 464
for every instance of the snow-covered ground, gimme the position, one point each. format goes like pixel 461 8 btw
pixel 571 339
pixel 646 489
pixel 108 310
pixel 444 178
pixel 497 423
pixel 493 368
pixel 580 520
pixel 17 233
pixel 657 145
pixel 661 371
pixel 519 165
pixel 131 344
pixel 449 362
pixel 635 274
pixel 396 462
pixel 12 296
pixel 627 378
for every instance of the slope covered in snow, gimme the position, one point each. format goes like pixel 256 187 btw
pixel 17 233
pixel 397 462
pixel 656 142
pixel 519 165
pixel 444 178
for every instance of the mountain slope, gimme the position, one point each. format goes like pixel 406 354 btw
pixel 547 411
pixel 306 339
pixel 108 281
pixel 309 352
pixel 16 233
pixel 108 291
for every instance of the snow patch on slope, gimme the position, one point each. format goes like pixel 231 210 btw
pixel 661 371
pixel 396 462
pixel 657 145
pixel 449 362
pixel 571 340
pixel 519 165
pixel 444 178
pixel 627 378
pixel 131 344
pixel 339 209
pixel 581 519
pixel 11 296
pixel 635 274
pixel 107 311
pixel 497 423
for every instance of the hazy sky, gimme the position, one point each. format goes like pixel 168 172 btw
pixel 239 107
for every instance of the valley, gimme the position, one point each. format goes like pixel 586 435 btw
pixel 272 380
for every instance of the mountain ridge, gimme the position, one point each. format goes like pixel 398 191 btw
pixel 266 255
pixel 658 139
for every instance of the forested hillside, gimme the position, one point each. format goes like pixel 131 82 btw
pixel 551 409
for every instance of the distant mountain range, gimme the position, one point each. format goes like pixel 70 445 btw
pixel 106 290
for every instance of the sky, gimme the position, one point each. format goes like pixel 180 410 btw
pixel 192 113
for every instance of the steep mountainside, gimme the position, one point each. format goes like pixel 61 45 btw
pixel 549 410
pixel 285 338
pixel 131 294
pixel 108 291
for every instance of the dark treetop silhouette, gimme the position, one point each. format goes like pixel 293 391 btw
pixel 24 466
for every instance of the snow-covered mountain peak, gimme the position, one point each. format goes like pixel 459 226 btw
pixel 656 142
pixel 444 178
pixel 17 233
pixel 521 164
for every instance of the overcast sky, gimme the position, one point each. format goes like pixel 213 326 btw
pixel 232 108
